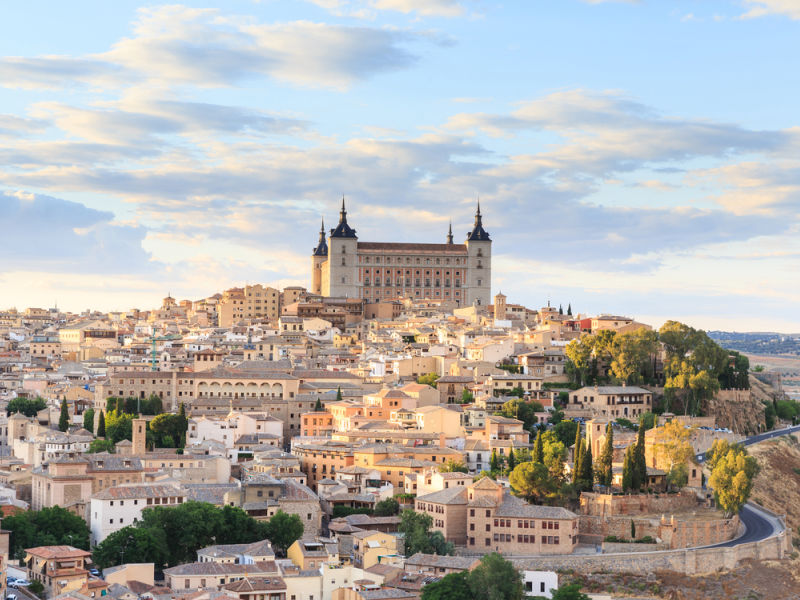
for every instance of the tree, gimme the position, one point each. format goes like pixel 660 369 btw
pixel 188 527
pixel 569 592
pixel 538 449
pixel 339 394
pixel 566 431
pixel 386 508
pixel 181 439
pixel 453 466
pixel 167 429
pixel 101 446
pixel 554 454
pixel 577 456
pixel 495 578
pixel 428 379
pixel 627 470
pixel 454 586
pixel 732 479
pixel 532 481
pixel 132 545
pixel 51 526
pixel 579 354
pixel 569 309
pixel 522 410
pixel 63 419
pixel 439 545
pixel 101 426
pixel 318 406
pixel 467 397
pixel 119 426
pixel 672 448
pixel 632 355
pixel 647 421
pixel 586 477
pixel 27 406
pixel 604 461
pixel 283 530
pixel 416 529
pixel 512 460
pixel 639 461
pixel 494 461
pixel 88 420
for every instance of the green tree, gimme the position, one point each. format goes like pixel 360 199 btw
pixel 538 449
pixel 566 431
pixel 494 462
pixel 101 446
pixel 569 309
pixel 240 528
pixel 188 527
pixel 454 586
pixel 554 453
pixel 428 379
pixel 101 426
pixel 532 481
pixel 577 457
pixel 119 426
pixel 672 447
pixel 579 355
pixel 512 460
pixel 167 429
pixel 732 479
pixel 639 461
pixel 88 420
pixel 453 466
pixel 416 528
pixel 386 508
pixel 586 477
pixel 522 410
pixel 627 470
pixel 467 397
pixel 63 419
pixel 495 578
pixel 647 421
pixel 318 406
pixel 439 545
pixel 283 530
pixel 53 526
pixel 339 394
pixel 603 470
pixel 27 406
pixel 132 545
pixel 571 591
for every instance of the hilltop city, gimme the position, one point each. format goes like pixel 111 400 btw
pixel 397 429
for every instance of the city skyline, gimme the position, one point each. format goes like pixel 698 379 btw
pixel 630 157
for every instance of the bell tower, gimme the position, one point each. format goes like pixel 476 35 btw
pixel 479 264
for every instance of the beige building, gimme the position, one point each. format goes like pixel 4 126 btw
pixel 60 569
pixel 373 547
pixel 342 266
pixel 613 401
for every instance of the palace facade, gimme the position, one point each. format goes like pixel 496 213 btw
pixel 343 266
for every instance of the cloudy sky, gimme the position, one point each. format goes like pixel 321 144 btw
pixel 630 157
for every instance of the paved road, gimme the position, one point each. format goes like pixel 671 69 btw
pixel 758 525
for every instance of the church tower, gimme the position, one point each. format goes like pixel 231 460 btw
pixel 500 307
pixel 319 257
pixel 479 264
pixel 342 260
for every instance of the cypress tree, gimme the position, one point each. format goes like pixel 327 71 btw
pixel 63 419
pixel 587 468
pixel 339 394
pixel 627 470
pixel 318 406
pixel 538 449
pixel 101 425
pixel 606 458
pixel 639 462
pixel 494 463
pixel 560 310
pixel 512 460
pixel 569 309
pixel 577 455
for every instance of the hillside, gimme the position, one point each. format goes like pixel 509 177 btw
pixel 777 486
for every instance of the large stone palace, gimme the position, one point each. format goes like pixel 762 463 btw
pixel 343 266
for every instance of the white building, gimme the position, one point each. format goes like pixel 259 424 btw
pixel 540 583
pixel 120 506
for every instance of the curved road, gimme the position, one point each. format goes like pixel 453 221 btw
pixel 758 524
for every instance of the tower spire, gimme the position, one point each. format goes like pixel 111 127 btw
pixel 343 229
pixel 343 212
pixel 322 244
pixel 450 233
pixel 478 233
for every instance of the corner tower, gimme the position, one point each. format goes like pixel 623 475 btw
pixel 342 264
pixel 319 257
pixel 479 264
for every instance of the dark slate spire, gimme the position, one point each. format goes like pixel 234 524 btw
pixel 450 234
pixel 322 244
pixel 343 230
pixel 478 233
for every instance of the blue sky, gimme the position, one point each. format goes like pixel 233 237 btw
pixel 631 157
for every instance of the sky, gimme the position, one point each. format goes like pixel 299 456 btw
pixel 637 158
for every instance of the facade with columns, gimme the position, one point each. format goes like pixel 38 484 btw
pixel 343 266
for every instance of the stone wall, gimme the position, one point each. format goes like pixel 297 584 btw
pixel 607 505
pixel 617 548
pixel 691 561
pixel 672 531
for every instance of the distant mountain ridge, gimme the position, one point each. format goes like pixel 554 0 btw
pixel 758 342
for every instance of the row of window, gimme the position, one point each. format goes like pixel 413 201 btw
pixel 399 261
pixel 417 282
pixel 524 524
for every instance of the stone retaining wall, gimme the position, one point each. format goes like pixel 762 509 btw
pixel 617 548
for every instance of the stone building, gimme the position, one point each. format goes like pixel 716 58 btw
pixel 342 266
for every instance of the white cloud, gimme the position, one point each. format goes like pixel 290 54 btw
pixel 764 8
pixel 177 45
pixel 369 8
